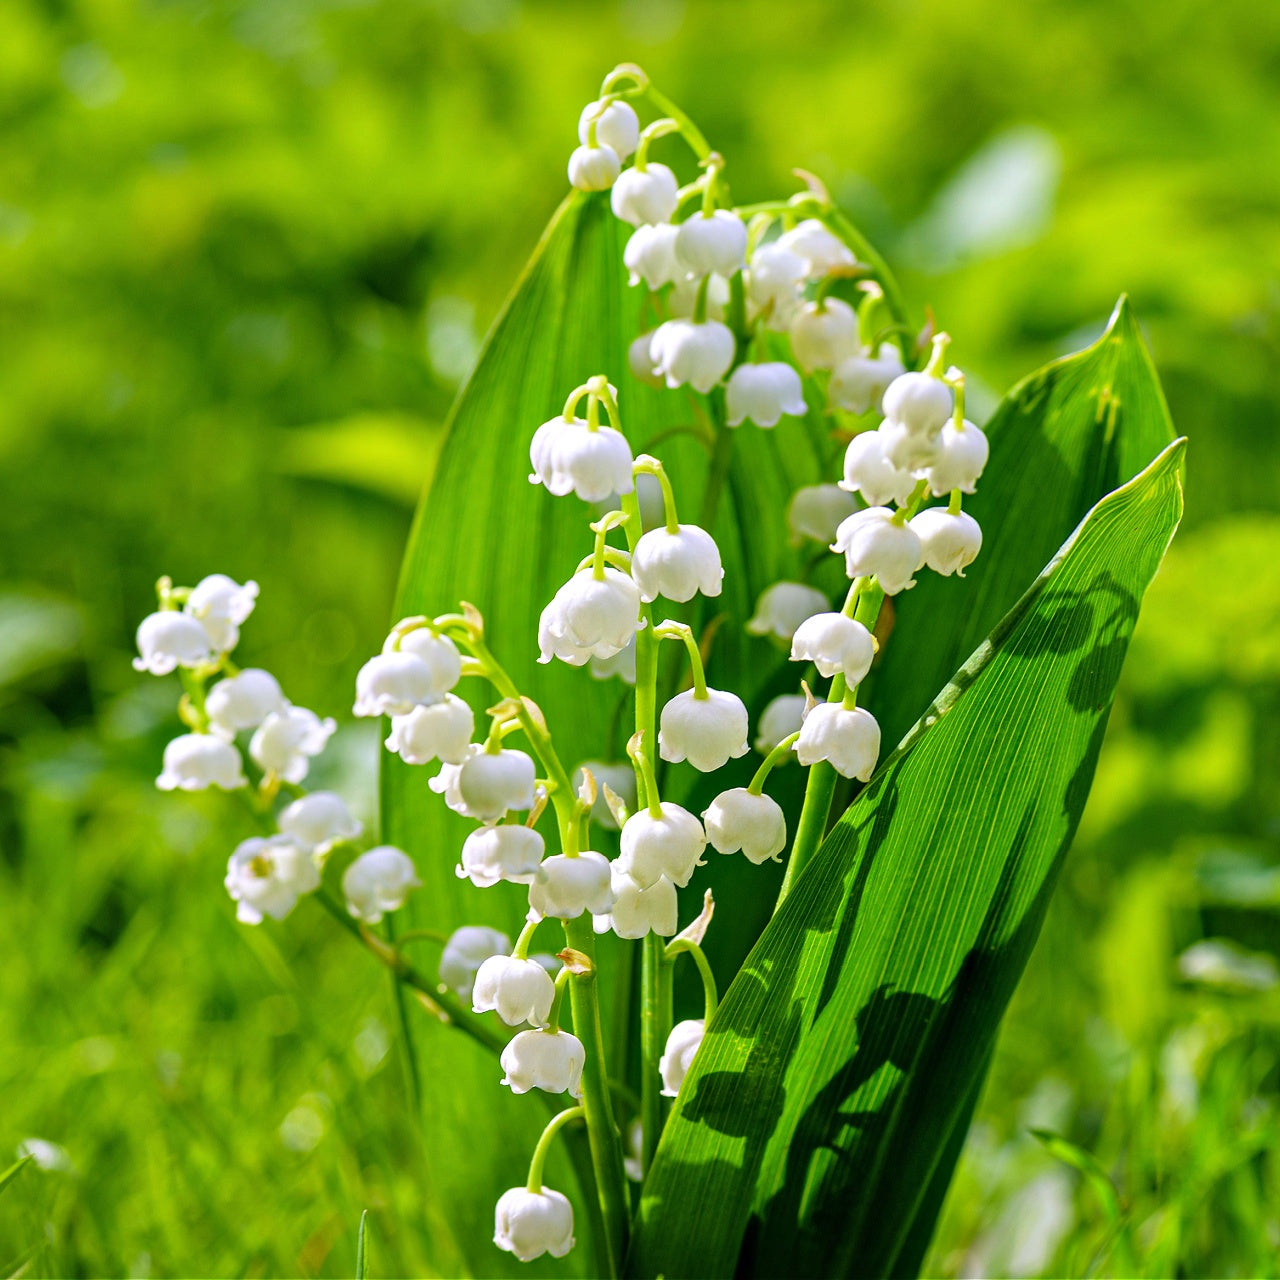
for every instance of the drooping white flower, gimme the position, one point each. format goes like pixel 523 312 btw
pixel 622 665
pixel 823 334
pixel 378 881
pixel 640 361
pixel 593 168
pixel 438 731
pixel 195 761
pixel 683 298
pixel 763 393
pixel 466 950
pixel 170 639
pixel 819 249
pixel 780 719
pixel 859 381
pixel 590 617
pixel 642 909
pixel 221 604
pixel 569 457
pixel 849 740
pixel 548 1060
pixel 650 255
pixel 503 852
pixel 392 684
pixel 633 1164
pixel 285 742
pixel 518 990
pixel 716 242
pixel 677 1058
pixel 319 820
pixel 834 643
pixel 531 1223
pixel 868 472
pixel 699 354
pixel 438 652
pixel 668 846
pixel 873 544
pixel 961 454
pixel 565 886
pixel 951 542
pixel 740 819
pixel 815 511
pixel 773 283
pixel 783 606
pixel 921 402
pixel 445 783
pixel 619 778
pixel 617 126
pixel 267 876
pixel 645 196
pixel 707 732
pixel 492 782
pixel 676 565
pixel 907 449
pixel 243 701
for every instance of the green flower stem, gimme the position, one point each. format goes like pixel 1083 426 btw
pixel 554 1125
pixel 683 632
pixel 557 1001
pixel 836 222
pixel 658 129
pixel 710 996
pixel 525 940
pixel 689 131
pixel 655 1026
pixel 771 762
pixel 652 467
pixel 938 356
pixel 718 471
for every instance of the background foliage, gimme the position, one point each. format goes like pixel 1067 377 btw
pixel 246 251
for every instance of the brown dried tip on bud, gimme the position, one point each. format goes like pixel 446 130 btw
pixel 475 619
pixel 505 710
pixel 587 789
pixel 635 744
pixel 535 713
pixel 696 930
pixel 815 185
pixel 924 339
pixel 617 805
pixel 809 700
pixel 575 961
pixel 539 805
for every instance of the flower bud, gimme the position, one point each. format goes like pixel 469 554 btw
pixel 392 684
pixel 740 820
pixel 492 782
pixel 868 472
pixel 642 909
pixel 707 732
pixel 815 511
pixel 676 565
pixel 834 643
pixel 467 949
pixel 220 605
pixel 619 778
pixel 378 881
pixel 951 542
pixel 783 606
pixel 569 457
pixel 650 255
pixel 959 459
pixel 319 821
pixel 438 652
pixel 503 852
pixel 714 242
pixel 243 701
pixel 874 545
pixel 858 382
pixel 548 1060
pixel 773 283
pixel 781 718
pixel 921 402
pixel 285 742
pixel 640 361
pixel 265 877
pixel 531 1223
pixel 823 334
pixel 518 990
pixel 819 249
pixel 565 886
pixel 170 639
pixel 622 665
pixel 668 846
pixel 682 1044
pixel 617 126
pixel 194 761
pixel 589 616
pixel 594 168
pixel 646 196
pixel 906 449
pixel 847 740
pixel 437 731
pixel 699 354
pixel 763 393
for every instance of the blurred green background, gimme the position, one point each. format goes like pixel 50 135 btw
pixel 247 251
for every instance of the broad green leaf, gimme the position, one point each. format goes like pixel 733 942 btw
pixel 811 1127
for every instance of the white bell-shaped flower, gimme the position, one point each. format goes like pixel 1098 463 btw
pixel 848 740
pixel 859 381
pixel 285 742
pixel 503 852
pixel 906 449
pixel 815 511
pixel 676 565
pixel 645 196
pixel 921 402
pixel 195 761
pixel 715 242
pixel 590 617
pixel 531 1223
pixel 642 909
pixel 267 876
pixel 569 457
pixel 763 393
pixel 820 250
pixel 677 1058
pixel 169 639
pixel 951 542
pixel 682 300
pixel 445 783
pixel 518 990
pixel 492 782
pixel 741 820
pixel 697 354
pixel 783 606
pixel 221 604
pixel 650 255
pixel 392 684
pixel 823 334
pixel 438 731
pixel 566 885
pixel 319 820
pixel 243 701
pixel 708 732
pixel 781 718
pixel 548 1060
pixel 465 951
pixel 774 282
pixel 438 652
pixel 960 456
pixel 622 665
pixel 873 544
pixel 868 472
pixel 594 168
pixel 378 881
pixel 834 643
pixel 617 126
pixel 669 846
pixel 619 778
pixel 640 361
